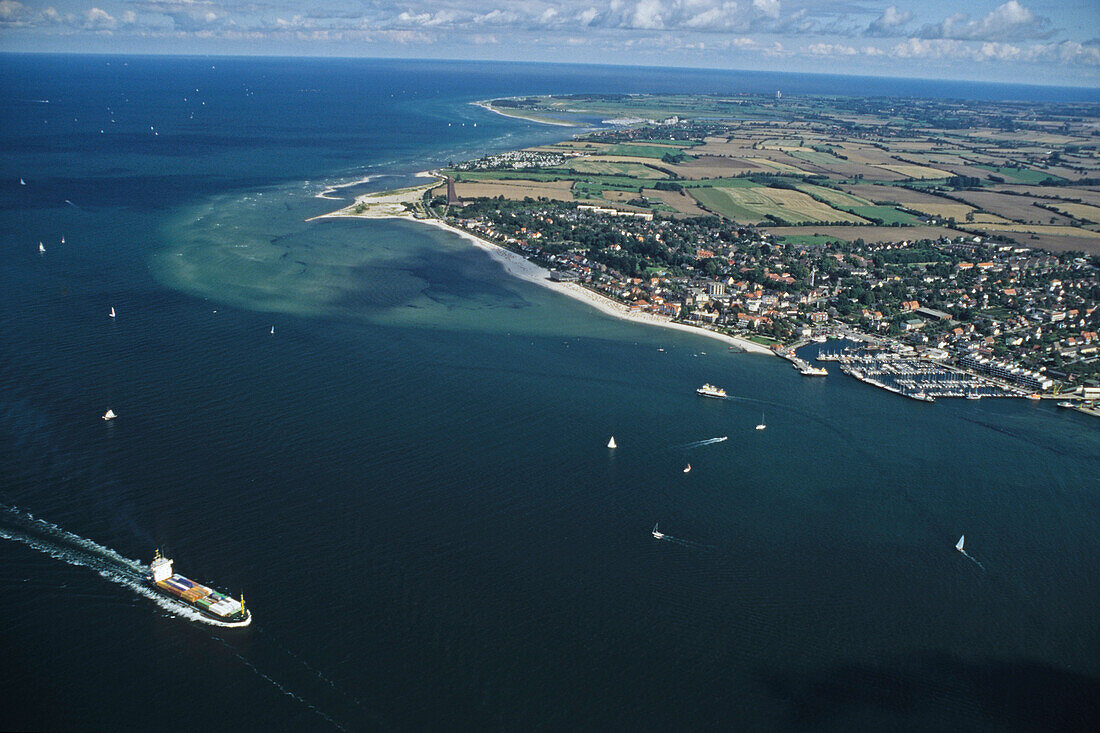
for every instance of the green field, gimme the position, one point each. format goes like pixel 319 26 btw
pixel 751 205
pixel 720 183
pixel 714 199
pixel 888 214
pixel 809 239
pixel 832 197
pixel 614 168
pixel 1020 175
pixel 822 159
pixel 643 151
pixel 674 143
pixel 544 175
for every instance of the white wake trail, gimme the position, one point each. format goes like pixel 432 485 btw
pixel 80 551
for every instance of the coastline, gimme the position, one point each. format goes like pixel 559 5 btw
pixel 519 266
pixel 491 108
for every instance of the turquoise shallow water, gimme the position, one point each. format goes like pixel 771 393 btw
pixel 409 480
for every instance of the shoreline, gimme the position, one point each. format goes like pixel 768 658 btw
pixel 391 205
pixel 519 266
pixel 491 108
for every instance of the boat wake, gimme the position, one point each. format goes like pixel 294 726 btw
pixel 971 559
pixel 708 441
pixel 959 547
pixel 682 542
pixel 60 544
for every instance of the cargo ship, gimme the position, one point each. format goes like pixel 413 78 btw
pixel 206 601
pixel 709 390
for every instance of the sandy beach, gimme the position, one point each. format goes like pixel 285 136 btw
pixel 382 204
pixel 391 205
pixel 521 267
pixel 540 120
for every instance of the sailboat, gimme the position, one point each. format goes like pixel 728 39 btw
pixel 611 443
pixel 959 545
pixel 63 239
pixel 688 469
pixel 761 426
pixel 272 330
pixel 22 182
pixel 109 415
pixel 656 534
pixel 41 248
pixel 111 314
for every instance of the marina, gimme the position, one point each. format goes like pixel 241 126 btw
pixel 914 377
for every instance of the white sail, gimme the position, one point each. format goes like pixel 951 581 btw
pixel 22 182
pixel 959 545
pixel 688 469
pixel 109 415
pixel 272 330
pixel 41 247
pixel 611 443
pixel 63 239
pixel 112 312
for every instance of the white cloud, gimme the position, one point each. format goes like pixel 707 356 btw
pixel 889 22
pixel 830 49
pixel 647 15
pixel 770 8
pixel 1007 22
pixel 11 10
pixel 98 19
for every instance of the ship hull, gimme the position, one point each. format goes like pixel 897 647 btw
pixel 241 618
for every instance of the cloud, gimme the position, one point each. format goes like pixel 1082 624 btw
pixel 188 15
pixel 97 19
pixel 890 22
pixel 11 11
pixel 1008 22
pixel 830 49
pixel 769 8
pixel 1066 52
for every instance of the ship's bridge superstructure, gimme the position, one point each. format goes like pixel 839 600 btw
pixel 161 568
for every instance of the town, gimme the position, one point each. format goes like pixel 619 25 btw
pixel 978 303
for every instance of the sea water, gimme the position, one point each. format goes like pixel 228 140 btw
pixel 409 480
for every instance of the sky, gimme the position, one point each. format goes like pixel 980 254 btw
pixel 1025 41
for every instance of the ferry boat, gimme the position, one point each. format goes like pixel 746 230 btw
pixel 709 390
pixel 206 601
pixel 812 371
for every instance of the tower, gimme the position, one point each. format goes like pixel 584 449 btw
pixel 161 567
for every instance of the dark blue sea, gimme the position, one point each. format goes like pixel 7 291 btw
pixel 409 481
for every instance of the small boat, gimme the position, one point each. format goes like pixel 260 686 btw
pixel 41 248
pixel 688 469
pixel 973 396
pixel 611 443
pixel 109 415
pixel 657 534
pixel 761 426
pixel 1066 403
pixel 959 544
pixel 111 313
pixel 1035 396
